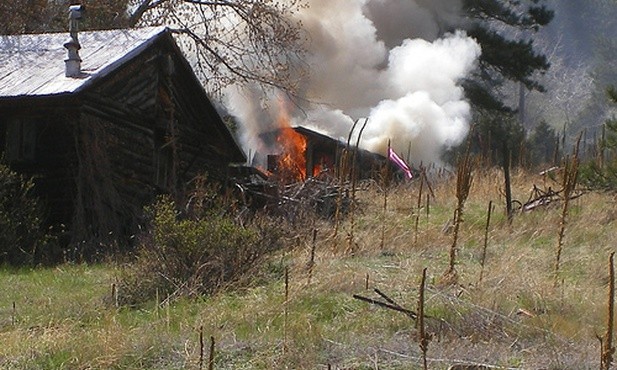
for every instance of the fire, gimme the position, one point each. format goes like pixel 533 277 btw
pixel 317 170
pixel 292 161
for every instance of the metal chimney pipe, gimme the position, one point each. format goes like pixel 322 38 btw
pixel 73 62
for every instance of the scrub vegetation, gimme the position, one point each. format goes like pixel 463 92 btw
pixel 295 307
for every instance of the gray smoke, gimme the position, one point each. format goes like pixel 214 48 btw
pixel 381 60
pixel 397 20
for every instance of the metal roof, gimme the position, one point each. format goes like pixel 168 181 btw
pixel 33 65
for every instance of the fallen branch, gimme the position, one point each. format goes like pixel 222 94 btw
pixel 407 312
pixel 539 198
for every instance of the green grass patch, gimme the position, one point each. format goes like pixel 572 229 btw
pixel 66 317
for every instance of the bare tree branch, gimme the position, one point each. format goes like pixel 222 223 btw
pixel 235 41
pixel 229 41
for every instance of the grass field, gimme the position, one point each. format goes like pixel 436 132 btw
pixel 518 316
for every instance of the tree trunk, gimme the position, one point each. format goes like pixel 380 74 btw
pixel 507 184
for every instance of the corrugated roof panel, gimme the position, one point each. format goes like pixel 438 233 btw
pixel 33 65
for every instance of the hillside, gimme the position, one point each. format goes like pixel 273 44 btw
pixel 517 316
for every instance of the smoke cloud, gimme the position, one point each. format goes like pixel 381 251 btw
pixel 381 60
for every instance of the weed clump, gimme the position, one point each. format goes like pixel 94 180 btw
pixel 22 236
pixel 194 254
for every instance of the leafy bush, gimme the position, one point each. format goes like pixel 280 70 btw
pixel 599 176
pixel 542 144
pixel 188 256
pixel 601 173
pixel 22 238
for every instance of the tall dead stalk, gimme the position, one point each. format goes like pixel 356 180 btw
pixel 351 246
pixel 428 208
pixel 418 205
pixel 211 358
pixel 286 309
pixel 485 246
pixel 385 184
pixel 201 347
pixel 463 185
pixel 570 176
pixel 607 342
pixel 311 263
pixel 343 177
pixel 506 164
pixel 423 338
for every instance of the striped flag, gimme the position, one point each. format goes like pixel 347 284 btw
pixel 400 163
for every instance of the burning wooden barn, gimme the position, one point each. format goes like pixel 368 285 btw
pixel 310 169
pixel 104 135
pixel 307 153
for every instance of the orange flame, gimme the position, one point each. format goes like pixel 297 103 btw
pixel 317 170
pixel 292 161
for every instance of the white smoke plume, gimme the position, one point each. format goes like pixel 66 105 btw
pixel 380 60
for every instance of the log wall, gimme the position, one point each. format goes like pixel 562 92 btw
pixel 104 153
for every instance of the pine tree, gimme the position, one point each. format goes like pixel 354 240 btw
pixel 504 30
pixel 602 173
pixel 542 144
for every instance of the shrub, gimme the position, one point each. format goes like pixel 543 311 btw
pixel 22 238
pixel 542 144
pixel 188 256
pixel 602 172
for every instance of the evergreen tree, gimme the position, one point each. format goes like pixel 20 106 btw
pixel 504 29
pixel 602 173
pixel 542 144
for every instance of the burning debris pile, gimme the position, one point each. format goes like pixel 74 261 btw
pixel 292 183
pixel 321 195
pixel 310 171
pixel 290 194
pixel 306 169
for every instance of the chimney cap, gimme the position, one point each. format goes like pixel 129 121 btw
pixel 75 11
pixel 73 62
pixel 71 42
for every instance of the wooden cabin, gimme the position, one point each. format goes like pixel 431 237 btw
pixel 132 121
pixel 322 156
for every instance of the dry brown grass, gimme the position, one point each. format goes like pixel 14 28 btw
pixel 533 315
pixel 515 317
